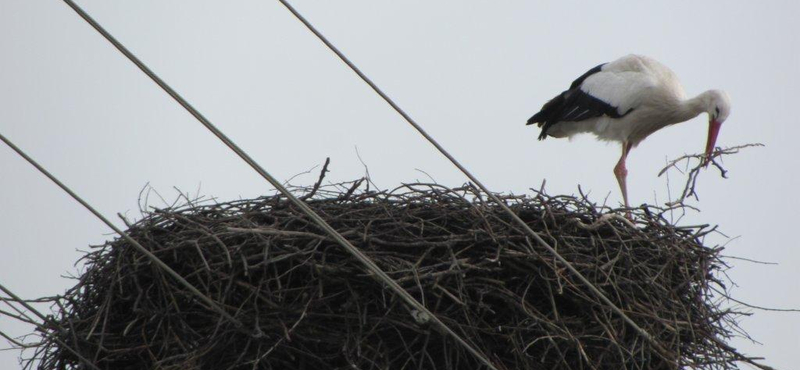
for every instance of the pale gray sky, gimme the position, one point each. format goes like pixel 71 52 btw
pixel 471 73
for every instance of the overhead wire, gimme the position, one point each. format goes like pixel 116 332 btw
pixel 360 256
pixel 475 180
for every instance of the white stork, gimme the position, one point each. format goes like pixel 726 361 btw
pixel 625 101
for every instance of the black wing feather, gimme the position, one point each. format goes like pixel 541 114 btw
pixel 577 83
pixel 573 105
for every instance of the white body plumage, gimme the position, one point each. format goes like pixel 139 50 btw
pixel 625 101
pixel 642 84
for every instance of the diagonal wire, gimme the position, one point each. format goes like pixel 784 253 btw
pixel 360 256
pixel 41 327
pixel 475 180
pixel 213 305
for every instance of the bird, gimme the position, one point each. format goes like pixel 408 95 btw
pixel 625 101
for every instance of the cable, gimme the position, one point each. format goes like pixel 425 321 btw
pixel 361 257
pixel 213 305
pixel 472 178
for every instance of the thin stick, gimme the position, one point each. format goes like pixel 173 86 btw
pixel 319 182
pixel 44 330
pixel 691 180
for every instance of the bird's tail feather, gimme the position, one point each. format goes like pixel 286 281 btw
pixel 537 118
pixel 540 119
pixel 543 135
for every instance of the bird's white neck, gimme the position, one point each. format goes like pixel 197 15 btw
pixel 691 108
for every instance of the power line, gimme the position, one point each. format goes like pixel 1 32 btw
pixel 213 305
pixel 475 180
pixel 361 257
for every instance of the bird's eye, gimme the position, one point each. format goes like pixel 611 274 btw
pixel 717 110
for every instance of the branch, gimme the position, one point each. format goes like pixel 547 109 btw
pixel 319 182
pixel 702 161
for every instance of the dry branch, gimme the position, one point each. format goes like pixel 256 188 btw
pixel 689 189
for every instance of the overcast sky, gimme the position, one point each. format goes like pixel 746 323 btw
pixel 470 72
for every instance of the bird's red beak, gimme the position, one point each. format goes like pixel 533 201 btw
pixel 713 131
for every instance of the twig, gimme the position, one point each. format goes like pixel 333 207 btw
pixel 319 181
pixel 689 189
pixel 727 296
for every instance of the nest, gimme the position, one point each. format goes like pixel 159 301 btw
pixel 305 303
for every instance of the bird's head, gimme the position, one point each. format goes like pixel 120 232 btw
pixel 718 107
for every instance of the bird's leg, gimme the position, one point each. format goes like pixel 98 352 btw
pixel 622 173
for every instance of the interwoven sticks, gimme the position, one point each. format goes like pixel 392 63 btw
pixel 305 303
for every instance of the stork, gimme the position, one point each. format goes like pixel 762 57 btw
pixel 625 101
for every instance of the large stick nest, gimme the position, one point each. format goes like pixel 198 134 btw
pixel 307 304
